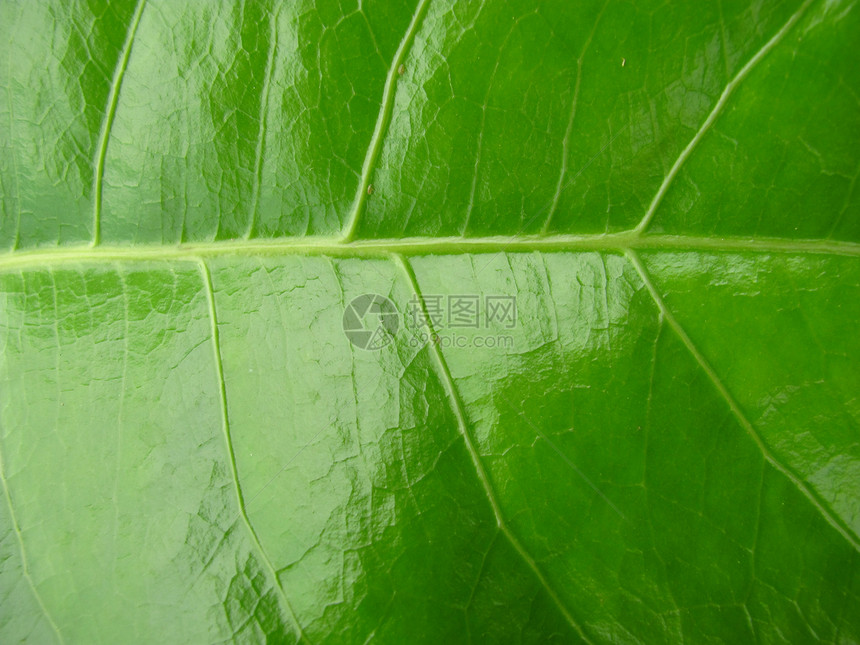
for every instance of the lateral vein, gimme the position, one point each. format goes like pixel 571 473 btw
pixel 107 122
pixel 382 120
pixel 261 134
pixel 228 440
pixel 715 112
pixel 459 413
pixel 25 567
pixel 734 407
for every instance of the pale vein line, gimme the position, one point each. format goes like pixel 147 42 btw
pixel 416 246
pixel 470 207
pixel 565 149
pixel 261 135
pixel 382 120
pixel 723 39
pixel 801 485
pixel 715 112
pixel 222 392
pixel 565 458
pixel 564 187
pixel 457 407
pixel 24 565
pixel 107 122
pixel 565 145
pixel 846 203
pixel 121 406
pixel 12 150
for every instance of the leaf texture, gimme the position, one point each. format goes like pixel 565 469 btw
pixel 661 447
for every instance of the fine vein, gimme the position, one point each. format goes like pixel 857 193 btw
pixel 216 344
pixel 721 103
pixel 107 122
pixel 457 407
pixel 13 152
pixel 261 134
pixel 565 144
pixel 480 144
pixel 382 120
pixel 24 565
pixel 796 480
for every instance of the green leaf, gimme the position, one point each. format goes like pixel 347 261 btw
pixel 661 445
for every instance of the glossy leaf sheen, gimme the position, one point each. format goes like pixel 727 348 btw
pixel 192 451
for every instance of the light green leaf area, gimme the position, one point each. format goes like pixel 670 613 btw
pixel 662 447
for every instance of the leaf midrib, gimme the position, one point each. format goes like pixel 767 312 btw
pixel 416 246
pixel 637 238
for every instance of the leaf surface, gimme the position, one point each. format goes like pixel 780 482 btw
pixel 662 446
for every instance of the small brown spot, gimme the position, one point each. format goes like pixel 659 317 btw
pixel 370 189
pixel 402 69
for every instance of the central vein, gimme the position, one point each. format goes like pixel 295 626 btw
pixel 610 243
